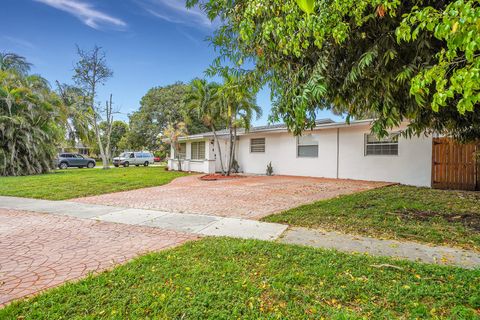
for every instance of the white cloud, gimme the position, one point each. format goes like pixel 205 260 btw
pixel 85 12
pixel 175 11
pixel 19 42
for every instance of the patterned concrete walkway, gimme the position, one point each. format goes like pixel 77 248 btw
pixel 39 251
pixel 250 197
pixel 45 243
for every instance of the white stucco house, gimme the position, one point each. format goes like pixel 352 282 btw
pixel 330 150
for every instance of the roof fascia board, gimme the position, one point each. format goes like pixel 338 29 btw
pixel 321 126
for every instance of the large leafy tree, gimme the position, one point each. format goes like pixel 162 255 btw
pixel 118 132
pixel 159 107
pixel 452 83
pixel 32 119
pixel 394 60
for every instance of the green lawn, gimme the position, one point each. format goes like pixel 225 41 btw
pixel 398 212
pixel 74 183
pixel 100 163
pixel 239 279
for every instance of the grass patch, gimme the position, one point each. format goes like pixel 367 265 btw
pixel 74 183
pixel 396 212
pixel 230 279
pixel 100 163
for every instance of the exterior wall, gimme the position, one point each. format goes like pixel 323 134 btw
pixel 225 151
pixel 281 150
pixel 412 166
pixel 341 154
pixel 206 166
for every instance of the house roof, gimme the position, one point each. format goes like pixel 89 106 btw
pixel 319 124
pixel 78 145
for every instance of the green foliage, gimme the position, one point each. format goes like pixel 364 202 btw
pixel 76 106
pixel 13 62
pixel 90 72
pixel 238 106
pixel 119 131
pixel 306 5
pixel 220 278
pixel 173 132
pixel 269 169
pixel 159 107
pixel 231 104
pixel 73 183
pixel 31 120
pixel 204 100
pixel 388 59
pixel 455 78
pixel 396 212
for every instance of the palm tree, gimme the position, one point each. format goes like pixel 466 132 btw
pixel 238 101
pixel 77 111
pixel 14 62
pixel 30 122
pixel 203 99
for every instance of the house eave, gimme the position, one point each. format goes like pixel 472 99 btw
pixel 320 126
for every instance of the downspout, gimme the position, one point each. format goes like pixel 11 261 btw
pixel 338 150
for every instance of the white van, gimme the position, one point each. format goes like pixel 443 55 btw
pixel 135 158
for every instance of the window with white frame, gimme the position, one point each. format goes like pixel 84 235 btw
pixel 307 146
pixel 257 145
pixel 387 146
pixel 197 151
pixel 182 150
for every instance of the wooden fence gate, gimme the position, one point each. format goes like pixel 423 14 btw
pixel 455 165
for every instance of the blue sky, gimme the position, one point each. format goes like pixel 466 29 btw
pixel 148 43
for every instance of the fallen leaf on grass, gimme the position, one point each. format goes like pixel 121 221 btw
pixel 385 265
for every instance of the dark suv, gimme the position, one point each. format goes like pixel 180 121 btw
pixel 66 160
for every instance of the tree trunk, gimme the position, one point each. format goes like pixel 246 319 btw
pixel 234 145
pixel 177 155
pixel 107 148
pixel 219 149
pixel 95 123
pixel 109 116
pixel 230 147
pixel 100 144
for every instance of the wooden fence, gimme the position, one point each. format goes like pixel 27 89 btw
pixel 455 165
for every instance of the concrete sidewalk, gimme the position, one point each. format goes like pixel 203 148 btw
pixel 378 247
pixel 208 225
pixel 191 223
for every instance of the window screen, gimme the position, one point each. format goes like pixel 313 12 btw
pixel 307 146
pixel 182 150
pixel 257 145
pixel 197 151
pixel 384 146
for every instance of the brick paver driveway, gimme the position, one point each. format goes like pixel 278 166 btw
pixel 39 251
pixel 249 197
